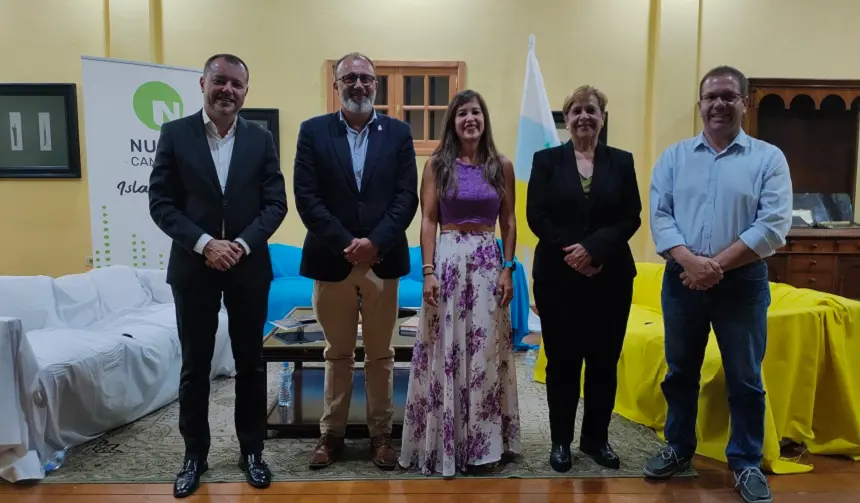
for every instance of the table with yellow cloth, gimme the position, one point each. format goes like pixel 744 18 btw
pixel 811 373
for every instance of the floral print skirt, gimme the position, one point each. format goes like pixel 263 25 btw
pixel 461 405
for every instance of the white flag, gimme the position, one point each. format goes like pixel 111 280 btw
pixel 537 129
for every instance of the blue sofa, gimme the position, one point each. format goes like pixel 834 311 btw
pixel 289 289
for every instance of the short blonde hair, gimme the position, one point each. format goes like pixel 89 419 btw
pixel 585 92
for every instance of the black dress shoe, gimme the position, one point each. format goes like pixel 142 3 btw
pixel 188 478
pixel 559 458
pixel 603 455
pixel 256 471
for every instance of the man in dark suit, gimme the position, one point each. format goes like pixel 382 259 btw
pixel 217 190
pixel 356 191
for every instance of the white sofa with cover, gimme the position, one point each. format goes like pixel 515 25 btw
pixel 83 354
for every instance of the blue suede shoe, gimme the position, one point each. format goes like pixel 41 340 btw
pixel 752 485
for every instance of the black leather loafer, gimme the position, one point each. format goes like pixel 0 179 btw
pixel 188 478
pixel 559 458
pixel 256 471
pixel 603 455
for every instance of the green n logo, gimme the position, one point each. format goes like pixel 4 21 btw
pixel 156 103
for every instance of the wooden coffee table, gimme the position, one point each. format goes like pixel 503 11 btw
pixel 304 347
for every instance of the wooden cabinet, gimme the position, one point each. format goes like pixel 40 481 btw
pixel 815 123
pixel 827 260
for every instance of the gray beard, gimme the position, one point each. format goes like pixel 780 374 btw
pixel 352 106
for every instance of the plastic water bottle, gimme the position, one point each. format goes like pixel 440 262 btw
pixel 530 360
pixel 285 395
pixel 57 461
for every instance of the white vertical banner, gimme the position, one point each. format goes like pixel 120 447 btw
pixel 125 103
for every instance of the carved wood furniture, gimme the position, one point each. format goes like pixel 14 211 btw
pixel 827 260
pixel 815 123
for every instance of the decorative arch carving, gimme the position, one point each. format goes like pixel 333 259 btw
pixel 798 94
pixel 772 101
pixel 803 102
pixel 834 102
pixel 789 89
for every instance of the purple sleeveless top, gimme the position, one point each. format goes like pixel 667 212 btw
pixel 476 201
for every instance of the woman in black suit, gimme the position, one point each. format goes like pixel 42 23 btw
pixel 583 205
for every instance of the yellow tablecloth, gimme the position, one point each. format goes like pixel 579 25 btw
pixel 811 373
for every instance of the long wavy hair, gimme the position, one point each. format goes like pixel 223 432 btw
pixel 446 153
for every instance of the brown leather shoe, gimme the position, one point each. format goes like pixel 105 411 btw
pixel 384 456
pixel 327 451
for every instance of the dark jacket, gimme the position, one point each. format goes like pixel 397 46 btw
pixel 559 213
pixel 333 208
pixel 186 201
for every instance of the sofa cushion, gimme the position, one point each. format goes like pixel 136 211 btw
pixel 155 280
pixel 411 293
pixel 285 260
pixel 87 362
pixel 78 303
pixel 416 271
pixel 119 288
pixel 285 294
pixel 67 347
pixel 145 324
pixel 91 381
pixel 30 299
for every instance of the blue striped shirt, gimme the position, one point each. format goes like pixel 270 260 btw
pixel 707 200
pixel 358 146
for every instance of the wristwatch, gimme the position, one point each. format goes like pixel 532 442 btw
pixel 509 265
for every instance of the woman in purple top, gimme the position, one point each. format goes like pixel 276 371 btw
pixel 461 407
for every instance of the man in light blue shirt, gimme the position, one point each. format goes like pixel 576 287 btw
pixel 357 140
pixel 721 203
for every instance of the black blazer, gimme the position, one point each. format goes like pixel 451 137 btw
pixel 559 213
pixel 185 200
pixel 335 211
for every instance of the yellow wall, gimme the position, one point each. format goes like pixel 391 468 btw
pixel 646 55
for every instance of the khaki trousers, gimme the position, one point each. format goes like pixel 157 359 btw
pixel 336 306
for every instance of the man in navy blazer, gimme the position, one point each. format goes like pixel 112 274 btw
pixel 355 186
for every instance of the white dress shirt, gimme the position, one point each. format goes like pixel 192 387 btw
pixel 222 152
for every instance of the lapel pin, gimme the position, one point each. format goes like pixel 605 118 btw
pixel 379 128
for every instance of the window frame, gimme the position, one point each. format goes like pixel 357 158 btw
pixel 396 71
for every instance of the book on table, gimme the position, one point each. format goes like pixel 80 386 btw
pixel 410 326
pixel 297 329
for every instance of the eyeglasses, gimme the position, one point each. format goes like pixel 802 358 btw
pixel 351 78
pixel 728 98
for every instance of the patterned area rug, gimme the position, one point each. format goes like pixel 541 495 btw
pixel 150 449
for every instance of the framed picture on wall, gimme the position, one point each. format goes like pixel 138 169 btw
pixel 563 135
pixel 39 135
pixel 266 117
